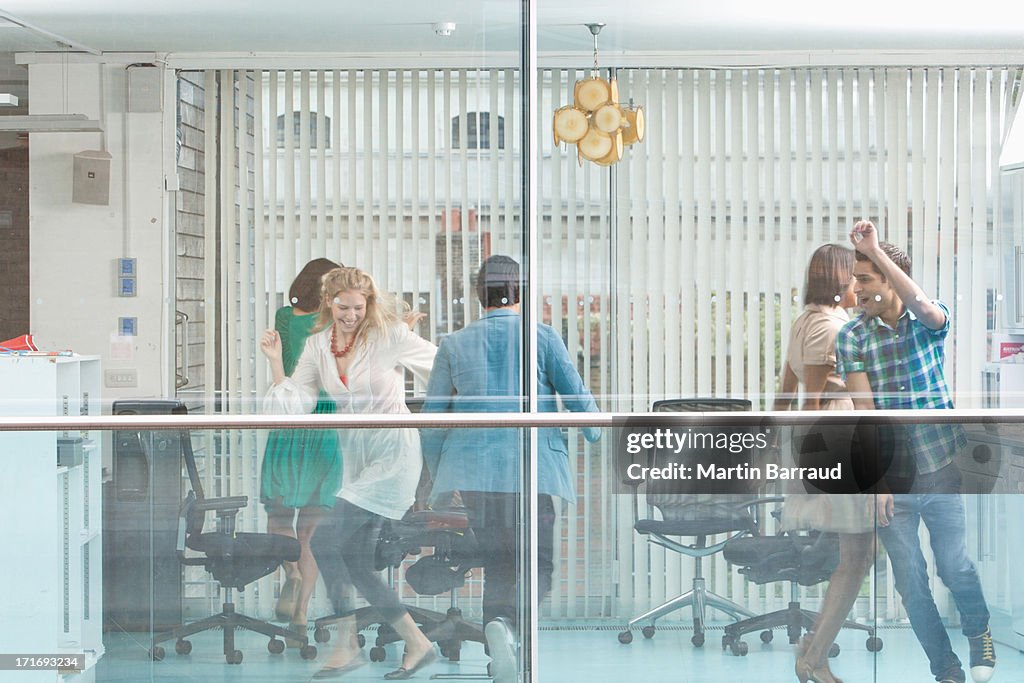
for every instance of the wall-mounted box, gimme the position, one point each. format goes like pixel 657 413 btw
pixel 91 178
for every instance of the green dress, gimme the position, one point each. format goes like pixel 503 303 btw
pixel 301 467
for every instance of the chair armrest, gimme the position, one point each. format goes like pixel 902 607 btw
pixel 227 503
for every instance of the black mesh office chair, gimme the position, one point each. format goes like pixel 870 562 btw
pixel 234 559
pixel 687 511
pixel 803 560
pixel 455 553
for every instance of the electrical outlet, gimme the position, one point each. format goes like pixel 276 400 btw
pixel 121 377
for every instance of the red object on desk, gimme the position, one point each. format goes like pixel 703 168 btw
pixel 22 343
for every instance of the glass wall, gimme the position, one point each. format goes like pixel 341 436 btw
pixel 605 411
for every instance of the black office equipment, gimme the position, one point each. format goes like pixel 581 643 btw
pixel 141 573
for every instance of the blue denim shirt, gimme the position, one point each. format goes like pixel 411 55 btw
pixel 476 370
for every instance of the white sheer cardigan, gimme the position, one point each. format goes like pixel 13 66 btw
pixel 381 467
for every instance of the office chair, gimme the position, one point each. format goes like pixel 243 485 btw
pixel 234 559
pixel 686 511
pixel 803 560
pixel 447 532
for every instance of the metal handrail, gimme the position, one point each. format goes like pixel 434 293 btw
pixel 510 420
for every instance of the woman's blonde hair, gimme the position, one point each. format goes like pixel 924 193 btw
pixel 382 311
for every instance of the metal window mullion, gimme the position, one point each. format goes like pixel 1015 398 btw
pixel 211 300
pixel 400 114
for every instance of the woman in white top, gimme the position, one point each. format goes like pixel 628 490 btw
pixel 811 362
pixel 357 359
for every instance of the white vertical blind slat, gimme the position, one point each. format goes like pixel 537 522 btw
pixel 321 165
pixel 270 188
pixel 305 208
pixel 735 282
pixel 336 252
pixel 288 162
pixel 932 159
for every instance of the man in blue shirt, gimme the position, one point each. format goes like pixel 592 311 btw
pixel 892 357
pixel 477 369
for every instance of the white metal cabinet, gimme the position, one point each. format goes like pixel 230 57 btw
pixel 51 514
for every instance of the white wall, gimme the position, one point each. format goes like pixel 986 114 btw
pixel 74 247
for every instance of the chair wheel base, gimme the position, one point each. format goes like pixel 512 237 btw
pixel 626 637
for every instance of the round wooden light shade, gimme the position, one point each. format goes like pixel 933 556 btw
pixel 569 124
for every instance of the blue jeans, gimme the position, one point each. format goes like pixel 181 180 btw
pixel 930 501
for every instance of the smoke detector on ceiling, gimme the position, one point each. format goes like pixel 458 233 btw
pixel 444 28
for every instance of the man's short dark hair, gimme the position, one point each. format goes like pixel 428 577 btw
pixel 497 283
pixel 895 254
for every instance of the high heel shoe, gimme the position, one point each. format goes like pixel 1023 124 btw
pixel 805 672
pixel 284 610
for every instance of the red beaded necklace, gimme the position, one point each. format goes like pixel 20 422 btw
pixel 334 344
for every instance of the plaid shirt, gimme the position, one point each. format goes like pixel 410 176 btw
pixel 904 370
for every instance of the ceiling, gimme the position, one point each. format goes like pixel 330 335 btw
pixel 483 27
pixel 494 25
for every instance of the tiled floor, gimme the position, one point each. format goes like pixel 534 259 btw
pixel 566 655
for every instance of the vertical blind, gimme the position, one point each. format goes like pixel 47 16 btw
pixel 676 273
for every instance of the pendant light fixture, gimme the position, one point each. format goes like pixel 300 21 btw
pixel 597 122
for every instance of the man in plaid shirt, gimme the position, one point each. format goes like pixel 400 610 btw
pixel 892 357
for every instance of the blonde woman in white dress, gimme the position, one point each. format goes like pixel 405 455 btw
pixel 356 358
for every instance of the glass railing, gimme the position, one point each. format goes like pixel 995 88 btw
pixel 143 542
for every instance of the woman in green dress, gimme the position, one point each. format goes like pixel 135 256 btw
pixel 301 470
